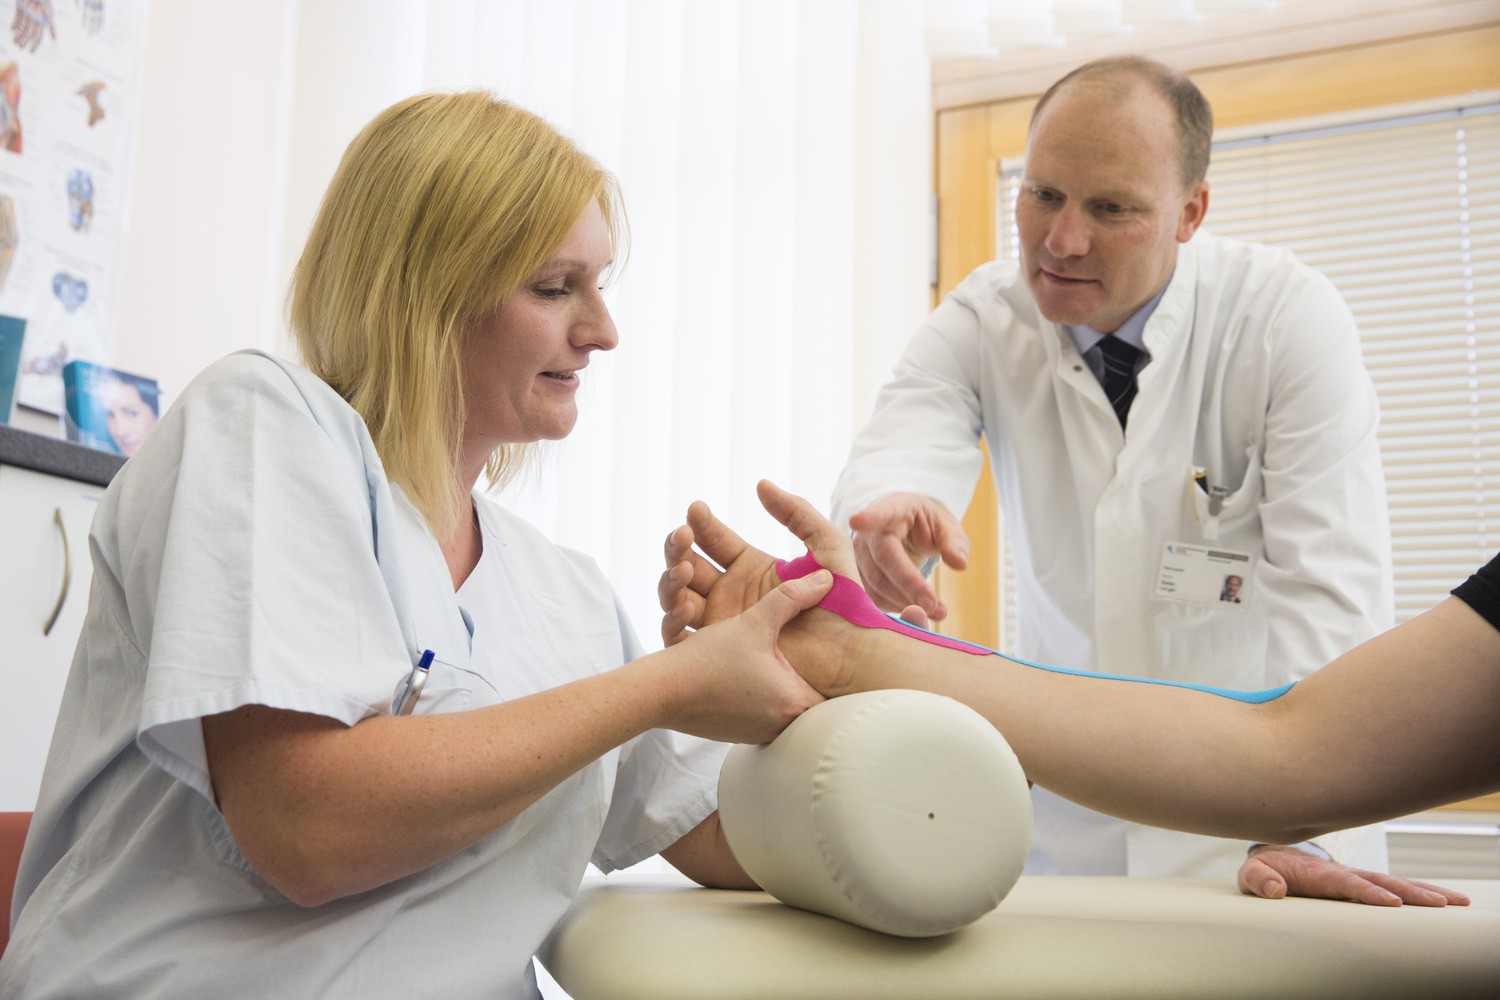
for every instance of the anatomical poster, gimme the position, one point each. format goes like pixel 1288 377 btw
pixel 69 76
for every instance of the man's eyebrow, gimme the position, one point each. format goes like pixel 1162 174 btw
pixel 1120 196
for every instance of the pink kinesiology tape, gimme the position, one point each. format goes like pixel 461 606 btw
pixel 849 601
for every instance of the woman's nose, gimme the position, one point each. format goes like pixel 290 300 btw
pixel 597 330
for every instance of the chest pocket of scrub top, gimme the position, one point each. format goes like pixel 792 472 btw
pixel 448 688
pixel 452 687
pixel 456 680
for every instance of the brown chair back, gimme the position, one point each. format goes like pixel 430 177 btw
pixel 13 827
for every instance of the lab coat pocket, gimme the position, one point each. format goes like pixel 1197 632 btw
pixel 1219 512
pixel 1221 646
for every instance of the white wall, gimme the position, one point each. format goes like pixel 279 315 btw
pixel 775 159
pixel 351 58
pixel 892 217
pixel 200 232
pixel 245 109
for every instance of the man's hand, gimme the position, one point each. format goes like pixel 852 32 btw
pixel 893 536
pixel 699 588
pixel 1274 872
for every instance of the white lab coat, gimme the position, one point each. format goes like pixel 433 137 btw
pixel 1255 377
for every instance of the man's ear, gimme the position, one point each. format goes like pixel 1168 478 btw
pixel 1193 211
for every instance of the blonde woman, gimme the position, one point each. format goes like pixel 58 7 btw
pixel 237 802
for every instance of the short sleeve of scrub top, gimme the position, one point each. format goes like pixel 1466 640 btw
pixel 253 571
pixel 667 784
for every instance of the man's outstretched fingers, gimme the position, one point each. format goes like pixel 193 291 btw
pixel 903 577
pixel 913 614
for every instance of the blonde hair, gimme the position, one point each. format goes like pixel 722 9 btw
pixel 441 208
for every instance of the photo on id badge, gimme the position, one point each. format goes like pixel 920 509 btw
pixel 1205 575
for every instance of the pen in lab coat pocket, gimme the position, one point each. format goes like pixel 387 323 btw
pixel 1216 494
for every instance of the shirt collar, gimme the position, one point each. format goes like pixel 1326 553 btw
pixel 1132 331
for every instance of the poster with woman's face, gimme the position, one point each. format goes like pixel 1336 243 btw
pixel 107 408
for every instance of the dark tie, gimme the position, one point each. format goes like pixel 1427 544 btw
pixel 1119 373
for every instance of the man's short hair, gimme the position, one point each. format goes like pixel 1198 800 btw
pixel 1195 119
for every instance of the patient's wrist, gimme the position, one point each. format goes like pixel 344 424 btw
pixel 848 600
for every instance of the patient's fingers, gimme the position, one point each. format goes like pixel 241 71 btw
pixel 830 545
pixel 679 542
pixel 677 623
pixel 678 551
pixel 717 540
pixel 672 582
pixel 682 608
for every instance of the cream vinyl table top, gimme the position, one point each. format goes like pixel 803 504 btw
pixel 630 936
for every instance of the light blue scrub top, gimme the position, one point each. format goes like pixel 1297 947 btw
pixel 253 553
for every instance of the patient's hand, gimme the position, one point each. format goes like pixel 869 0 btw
pixel 1274 872
pixel 724 575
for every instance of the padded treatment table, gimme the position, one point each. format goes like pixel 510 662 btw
pixel 651 937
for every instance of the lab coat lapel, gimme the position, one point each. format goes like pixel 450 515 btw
pixel 1167 398
pixel 1145 486
pixel 1091 432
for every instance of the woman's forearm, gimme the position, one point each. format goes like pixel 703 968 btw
pixel 323 810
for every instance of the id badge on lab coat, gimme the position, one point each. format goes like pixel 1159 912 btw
pixel 1205 574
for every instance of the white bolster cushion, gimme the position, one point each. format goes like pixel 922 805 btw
pixel 901 811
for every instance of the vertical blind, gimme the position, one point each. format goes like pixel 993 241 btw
pixel 778 213
pixel 1403 215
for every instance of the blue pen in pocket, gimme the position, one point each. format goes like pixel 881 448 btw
pixel 406 699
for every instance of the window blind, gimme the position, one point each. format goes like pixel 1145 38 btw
pixel 1403 215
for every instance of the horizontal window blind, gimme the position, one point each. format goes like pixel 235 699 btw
pixel 1403 215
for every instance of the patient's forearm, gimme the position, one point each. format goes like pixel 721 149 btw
pixel 1405 721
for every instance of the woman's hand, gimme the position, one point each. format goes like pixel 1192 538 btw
pixel 699 588
pixel 730 681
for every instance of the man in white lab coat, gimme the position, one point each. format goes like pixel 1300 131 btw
pixel 1163 409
